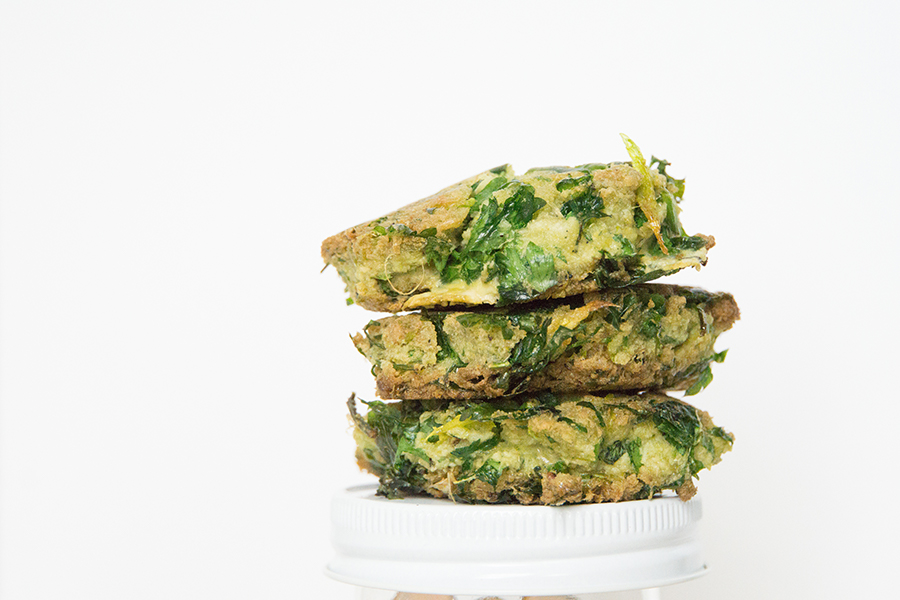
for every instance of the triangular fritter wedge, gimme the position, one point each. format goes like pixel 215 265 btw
pixel 499 238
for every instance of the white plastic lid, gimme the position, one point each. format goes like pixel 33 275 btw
pixel 427 545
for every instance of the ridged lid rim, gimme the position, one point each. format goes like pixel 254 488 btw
pixel 438 546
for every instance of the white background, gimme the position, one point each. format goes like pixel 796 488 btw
pixel 174 365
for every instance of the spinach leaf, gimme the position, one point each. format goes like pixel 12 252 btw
pixel 721 433
pixel 536 350
pixel 653 316
pixel 467 453
pixel 677 422
pixel 573 424
pixel 524 276
pixel 633 447
pixel 592 167
pixel 386 288
pixel 393 427
pixel 627 247
pixel 445 350
pixel 559 466
pixel 706 378
pixel 611 452
pixel 596 410
pixel 661 167
pixel 489 472
pixel 585 206
pixel 570 182
pixel 491 229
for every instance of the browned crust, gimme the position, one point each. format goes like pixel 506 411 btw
pixel 556 488
pixel 724 311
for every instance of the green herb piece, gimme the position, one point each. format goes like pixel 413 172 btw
pixel 615 315
pixel 407 445
pixel 596 410
pixel 695 465
pixel 559 466
pixel 570 182
pixel 573 424
pixel 476 446
pixel 706 378
pixel 627 247
pixel 591 167
pixel 526 275
pixel 721 433
pixel 491 229
pixel 611 452
pixel 678 424
pixel 489 472
pixel 393 428
pixel 536 350
pixel 386 287
pixel 445 350
pixel 639 218
pixel 585 206
pixel 478 411
pixel 633 447
pixel 661 167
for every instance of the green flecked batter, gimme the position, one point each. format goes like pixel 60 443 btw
pixel 499 238
pixel 648 336
pixel 538 449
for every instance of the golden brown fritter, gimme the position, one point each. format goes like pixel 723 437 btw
pixel 649 336
pixel 538 449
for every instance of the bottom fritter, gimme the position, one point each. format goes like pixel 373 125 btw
pixel 538 449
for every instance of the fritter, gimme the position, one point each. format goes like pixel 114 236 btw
pixel 498 238
pixel 649 336
pixel 538 449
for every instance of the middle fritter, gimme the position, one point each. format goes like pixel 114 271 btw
pixel 643 337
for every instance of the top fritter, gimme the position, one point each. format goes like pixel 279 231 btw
pixel 497 238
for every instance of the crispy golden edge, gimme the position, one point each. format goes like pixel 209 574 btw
pixel 446 211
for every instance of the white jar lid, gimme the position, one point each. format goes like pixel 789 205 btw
pixel 427 545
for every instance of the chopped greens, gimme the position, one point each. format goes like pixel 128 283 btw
pixel 706 378
pixel 492 229
pixel 586 207
pixel 633 447
pixel 524 275
pixel 489 472
pixel 678 423
pixel 611 452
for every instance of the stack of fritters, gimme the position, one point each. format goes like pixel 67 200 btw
pixel 534 369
